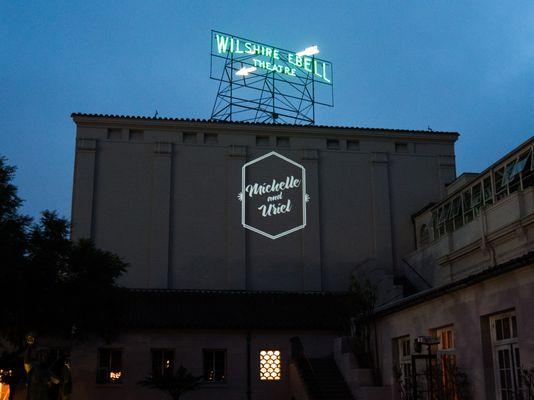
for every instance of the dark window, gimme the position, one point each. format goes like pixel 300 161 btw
pixel 282 141
pixel 214 365
pixel 468 209
pixel 476 199
pixel 501 189
pixel 262 140
pixel 424 235
pixel 109 366
pixel 162 362
pixel 136 135
pixel 190 137
pixel 353 145
pixel 401 147
pixel 488 191
pixel 457 213
pixel 114 134
pixel 211 138
pixel 332 144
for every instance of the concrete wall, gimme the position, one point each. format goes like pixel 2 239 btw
pixel 466 310
pixel 163 195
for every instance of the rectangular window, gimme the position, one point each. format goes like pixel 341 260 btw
pixel 476 199
pixel 468 211
pixel 488 191
pixel 214 365
pixel 282 141
pixel 446 358
pixel 441 222
pixel 353 145
pixel 506 356
pixel 262 140
pixel 270 365
pixel 457 213
pixel 434 223
pixel 501 189
pixel 211 138
pixel 136 135
pixel 332 144
pixel 190 137
pixel 447 215
pixel 109 366
pixel 162 362
pixel 527 175
pixel 405 363
pixel 114 134
pixel 401 147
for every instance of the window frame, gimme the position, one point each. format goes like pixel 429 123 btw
pixel 105 379
pixel 162 372
pixel 404 361
pixel 506 345
pixel 225 366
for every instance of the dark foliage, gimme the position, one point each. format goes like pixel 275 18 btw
pixel 49 285
pixel 174 385
pixel 361 303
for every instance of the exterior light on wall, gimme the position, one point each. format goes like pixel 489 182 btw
pixel 309 51
pixel 245 71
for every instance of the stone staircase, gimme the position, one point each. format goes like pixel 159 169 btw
pixel 359 380
pixel 329 380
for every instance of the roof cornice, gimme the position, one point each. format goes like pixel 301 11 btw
pixel 83 119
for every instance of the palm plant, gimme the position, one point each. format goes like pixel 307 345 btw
pixel 177 384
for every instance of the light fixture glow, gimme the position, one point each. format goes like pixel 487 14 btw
pixel 309 51
pixel 245 71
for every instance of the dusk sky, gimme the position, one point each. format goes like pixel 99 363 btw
pixel 465 66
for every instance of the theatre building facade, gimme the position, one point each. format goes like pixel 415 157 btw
pixel 243 240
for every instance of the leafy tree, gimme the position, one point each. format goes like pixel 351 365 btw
pixel 175 385
pixel 49 285
pixel 361 303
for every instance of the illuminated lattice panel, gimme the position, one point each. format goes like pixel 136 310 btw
pixel 270 365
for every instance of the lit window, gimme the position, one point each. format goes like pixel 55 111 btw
pixel 109 366
pixel 162 362
pixel 270 365
pixel 446 358
pixel 215 365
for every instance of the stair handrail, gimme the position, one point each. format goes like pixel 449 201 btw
pixel 299 356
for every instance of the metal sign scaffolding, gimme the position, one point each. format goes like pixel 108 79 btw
pixel 261 83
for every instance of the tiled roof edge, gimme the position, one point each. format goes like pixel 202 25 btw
pixel 433 293
pixel 208 121
pixel 232 292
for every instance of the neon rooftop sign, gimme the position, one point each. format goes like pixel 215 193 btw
pixel 255 55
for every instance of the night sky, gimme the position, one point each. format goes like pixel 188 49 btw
pixel 451 65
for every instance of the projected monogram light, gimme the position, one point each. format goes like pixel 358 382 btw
pixel 273 196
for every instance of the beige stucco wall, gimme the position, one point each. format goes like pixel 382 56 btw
pixel 169 207
pixel 464 309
